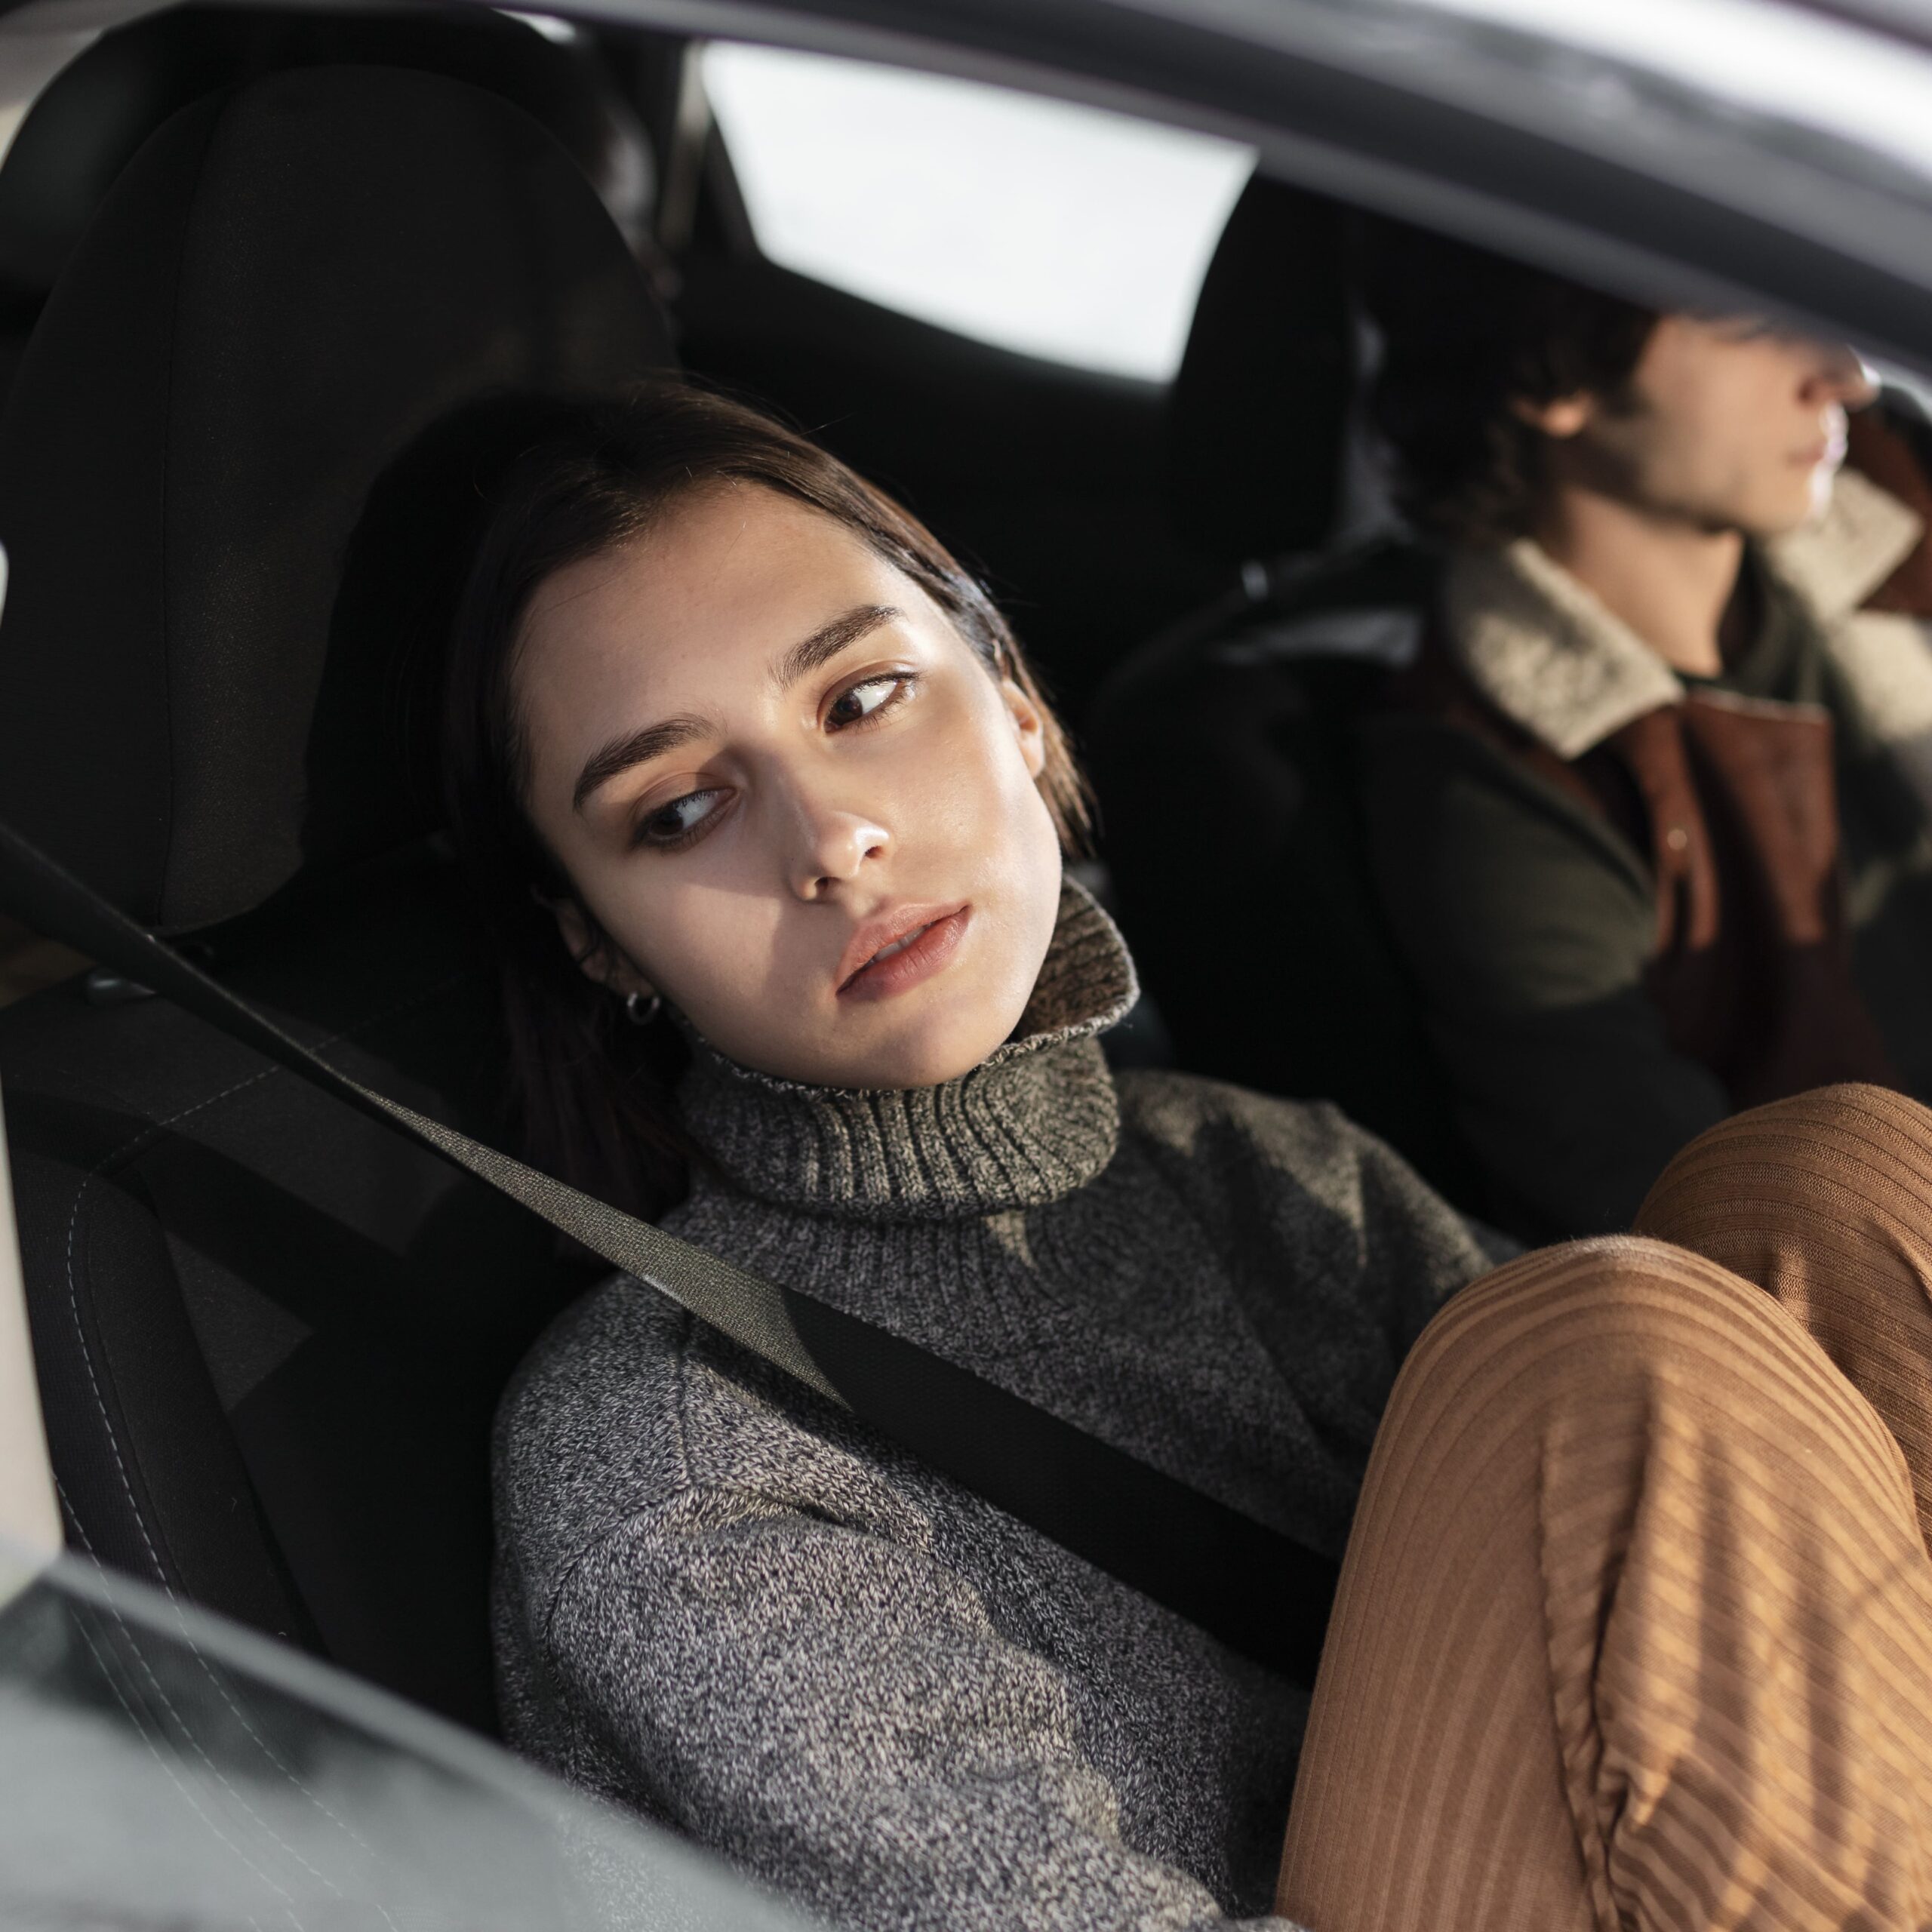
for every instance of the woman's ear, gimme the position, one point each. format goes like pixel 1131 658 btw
pixel 1563 417
pixel 596 960
pixel 1029 726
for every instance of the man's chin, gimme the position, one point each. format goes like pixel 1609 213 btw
pixel 1765 523
pixel 1818 496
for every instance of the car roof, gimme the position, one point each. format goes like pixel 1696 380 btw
pixel 1630 145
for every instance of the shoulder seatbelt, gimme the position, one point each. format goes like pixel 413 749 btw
pixel 1256 1590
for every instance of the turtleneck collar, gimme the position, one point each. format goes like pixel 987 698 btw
pixel 1033 1121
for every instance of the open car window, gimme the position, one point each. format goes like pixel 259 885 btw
pixel 1054 230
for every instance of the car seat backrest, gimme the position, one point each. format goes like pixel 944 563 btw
pixel 269 1334
pixel 94 115
pixel 1251 909
pixel 287 286
pixel 1259 408
pixel 1245 888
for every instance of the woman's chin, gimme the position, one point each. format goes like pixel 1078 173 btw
pixel 928 1057
pixel 921 1050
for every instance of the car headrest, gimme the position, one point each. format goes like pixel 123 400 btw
pixel 1259 408
pixel 93 116
pixel 285 289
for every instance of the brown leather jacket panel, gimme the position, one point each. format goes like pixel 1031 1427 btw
pixel 1732 803
pixel 1752 970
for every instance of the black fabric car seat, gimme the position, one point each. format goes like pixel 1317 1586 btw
pixel 270 1334
pixel 92 117
pixel 1258 407
pixel 1223 752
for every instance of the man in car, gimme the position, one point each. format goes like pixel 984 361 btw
pixel 1648 813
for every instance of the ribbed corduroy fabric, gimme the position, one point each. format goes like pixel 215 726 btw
pixel 1635 1625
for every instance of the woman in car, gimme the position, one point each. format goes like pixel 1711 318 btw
pixel 1636 1626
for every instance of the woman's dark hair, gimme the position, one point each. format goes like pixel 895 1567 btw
pixel 1464 335
pixel 592 1093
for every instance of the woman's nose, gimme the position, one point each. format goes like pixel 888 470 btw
pixel 836 845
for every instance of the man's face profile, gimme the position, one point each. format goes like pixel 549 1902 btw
pixel 1727 423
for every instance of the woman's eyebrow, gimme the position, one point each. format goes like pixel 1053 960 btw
pixel 808 653
pixel 654 740
pixel 635 748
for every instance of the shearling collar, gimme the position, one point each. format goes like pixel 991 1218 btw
pixel 1544 650
pixel 1836 562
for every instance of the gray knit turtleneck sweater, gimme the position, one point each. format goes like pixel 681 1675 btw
pixel 727 1604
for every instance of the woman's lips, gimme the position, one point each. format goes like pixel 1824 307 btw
pixel 914 957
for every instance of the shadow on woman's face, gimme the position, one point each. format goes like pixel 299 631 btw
pixel 801 806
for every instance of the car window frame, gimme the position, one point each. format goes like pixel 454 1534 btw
pixel 1310 98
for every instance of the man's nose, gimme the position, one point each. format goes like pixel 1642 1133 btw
pixel 835 844
pixel 1840 374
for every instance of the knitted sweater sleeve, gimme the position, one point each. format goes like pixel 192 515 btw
pixel 1340 1252
pixel 832 1709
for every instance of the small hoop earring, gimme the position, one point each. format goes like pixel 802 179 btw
pixel 641 1011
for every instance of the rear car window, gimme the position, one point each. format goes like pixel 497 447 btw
pixel 1057 230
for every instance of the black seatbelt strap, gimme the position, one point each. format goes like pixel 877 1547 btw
pixel 1258 1591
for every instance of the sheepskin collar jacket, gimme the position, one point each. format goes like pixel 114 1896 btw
pixel 1694 895
pixel 1729 788
pixel 1538 647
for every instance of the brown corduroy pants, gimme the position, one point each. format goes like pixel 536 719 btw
pixel 1636 1626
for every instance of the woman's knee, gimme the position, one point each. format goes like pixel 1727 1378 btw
pixel 1568 1351
pixel 1638 1281
pixel 1611 1319
pixel 1826 1191
pixel 1850 1151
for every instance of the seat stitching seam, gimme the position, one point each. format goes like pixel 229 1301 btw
pixel 74 1301
pixel 73 1221
pixel 269 1072
pixel 99 1167
pixel 120 1697
pixel 73 1296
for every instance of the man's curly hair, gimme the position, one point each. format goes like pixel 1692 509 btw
pixel 1465 333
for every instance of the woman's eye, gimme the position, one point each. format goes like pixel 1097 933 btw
pixel 858 703
pixel 671 824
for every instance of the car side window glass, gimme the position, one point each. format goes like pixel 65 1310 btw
pixel 162 1767
pixel 1057 230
